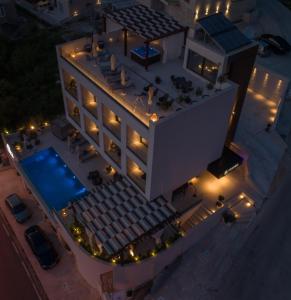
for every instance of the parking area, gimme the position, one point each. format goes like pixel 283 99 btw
pixel 61 282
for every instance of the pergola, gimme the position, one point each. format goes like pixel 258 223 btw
pixel 148 24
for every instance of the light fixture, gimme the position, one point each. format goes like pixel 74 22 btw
pixel 154 117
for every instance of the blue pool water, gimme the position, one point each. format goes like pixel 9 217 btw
pixel 54 181
pixel 141 51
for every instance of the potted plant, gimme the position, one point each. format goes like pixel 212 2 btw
pixel 220 80
pixel 228 217
pixel 199 91
pixel 210 86
pixel 158 80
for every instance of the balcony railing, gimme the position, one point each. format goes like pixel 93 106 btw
pixel 121 100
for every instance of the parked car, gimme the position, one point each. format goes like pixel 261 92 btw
pixel 275 46
pixel 264 49
pixel 278 39
pixel 42 247
pixel 18 208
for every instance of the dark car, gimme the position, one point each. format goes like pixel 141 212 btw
pixel 41 247
pixel 277 43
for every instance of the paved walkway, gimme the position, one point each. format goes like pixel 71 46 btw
pixel 13 270
pixel 63 281
pixel 245 261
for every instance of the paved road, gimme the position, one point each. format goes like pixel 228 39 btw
pixel 263 269
pixel 14 281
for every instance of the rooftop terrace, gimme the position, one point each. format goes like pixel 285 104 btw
pixel 169 80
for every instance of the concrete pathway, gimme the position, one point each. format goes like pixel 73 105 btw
pixel 13 270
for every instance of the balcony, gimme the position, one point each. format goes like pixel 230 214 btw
pixel 89 102
pixel 73 111
pixel 112 150
pixel 111 121
pixel 70 84
pixel 91 129
pixel 136 174
pixel 137 144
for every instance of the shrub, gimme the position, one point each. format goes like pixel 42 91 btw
pixel 199 91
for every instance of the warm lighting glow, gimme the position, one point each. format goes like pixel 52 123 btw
pixel 154 253
pixel 182 233
pixel 241 196
pixel 217 7
pixel 32 127
pixel 6 131
pixel 131 252
pixel 46 124
pixel 259 97
pixel 18 148
pixel 216 186
pixel 227 9
pixel 113 260
pixel 73 55
pixel 136 258
pixel 154 117
pixel 64 212
pixel 193 180
pixel 196 13
pixel 273 111
pixel 248 204
pixel 94 129
pixel 266 78
pixel 207 9
pixel 110 39
pixel 77 230
pixel 75 13
pixel 79 239
pixel 113 171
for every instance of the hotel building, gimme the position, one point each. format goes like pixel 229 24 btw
pixel 160 106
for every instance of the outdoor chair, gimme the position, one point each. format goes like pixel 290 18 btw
pixel 88 48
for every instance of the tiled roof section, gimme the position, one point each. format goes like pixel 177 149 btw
pixel 223 32
pixel 145 22
pixel 118 215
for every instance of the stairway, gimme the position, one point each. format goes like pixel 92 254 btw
pixel 198 216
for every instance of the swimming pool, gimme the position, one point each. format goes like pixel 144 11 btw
pixel 53 180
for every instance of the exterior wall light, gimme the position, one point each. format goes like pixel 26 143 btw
pixel 154 117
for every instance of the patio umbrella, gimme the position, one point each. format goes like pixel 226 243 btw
pixel 113 62
pixel 123 77
pixel 94 53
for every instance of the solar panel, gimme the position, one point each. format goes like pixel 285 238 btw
pixel 223 32
pixel 231 40
pixel 216 23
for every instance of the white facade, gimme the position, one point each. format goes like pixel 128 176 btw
pixel 179 146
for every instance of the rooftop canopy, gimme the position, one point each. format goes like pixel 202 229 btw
pixel 118 215
pixel 226 35
pixel 147 23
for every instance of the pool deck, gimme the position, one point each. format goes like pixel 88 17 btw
pixel 80 169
